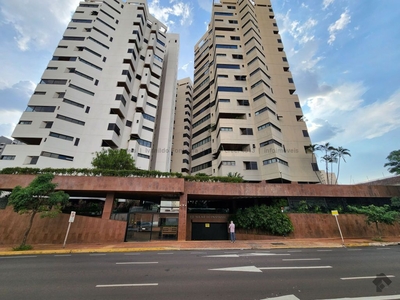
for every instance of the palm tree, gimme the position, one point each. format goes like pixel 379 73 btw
pixel 312 148
pixel 326 148
pixel 333 158
pixel 341 152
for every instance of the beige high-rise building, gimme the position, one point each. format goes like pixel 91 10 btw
pixel 182 127
pixel 110 84
pixel 247 117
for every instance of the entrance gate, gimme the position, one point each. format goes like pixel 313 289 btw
pixel 147 226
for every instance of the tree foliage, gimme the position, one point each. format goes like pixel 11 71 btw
pixel 265 218
pixel 394 162
pixel 38 197
pixel 113 159
pixel 377 214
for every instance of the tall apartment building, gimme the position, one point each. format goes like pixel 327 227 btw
pixel 247 118
pixel 109 84
pixel 180 161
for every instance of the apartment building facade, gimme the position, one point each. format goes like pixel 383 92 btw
pixel 247 119
pixel 181 145
pixel 109 84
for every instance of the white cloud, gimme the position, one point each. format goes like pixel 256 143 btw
pixel 179 9
pixel 8 121
pixel 301 32
pixel 341 115
pixel 31 20
pixel 326 3
pixel 206 4
pixel 340 24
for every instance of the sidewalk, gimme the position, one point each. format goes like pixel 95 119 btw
pixel 6 250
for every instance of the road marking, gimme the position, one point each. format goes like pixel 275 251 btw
pixel 137 263
pixel 366 277
pixel 246 255
pixel 258 270
pixel 294 259
pixel 382 248
pixel 288 297
pixel 168 253
pixel 97 254
pixel 125 285
pixel 295 268
pixel 354 249
pixel 62 255
pixel 324 250
pixel 294 250
pixel 18 256
pixel 392 297
pixel 198 252
pixel 132 254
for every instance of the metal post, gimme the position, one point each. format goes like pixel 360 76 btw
pixel 341 235
pixel 66 236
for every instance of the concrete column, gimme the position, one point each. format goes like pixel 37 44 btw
pixel 108 206
pixel 182 218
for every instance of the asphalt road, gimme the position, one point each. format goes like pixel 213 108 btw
pixel 284 274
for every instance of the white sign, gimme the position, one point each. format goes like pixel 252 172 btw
pixel 72 217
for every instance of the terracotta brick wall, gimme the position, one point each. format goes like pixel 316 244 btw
pixel 52 231
pixel 325 226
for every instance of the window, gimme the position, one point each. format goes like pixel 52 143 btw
pixel 305 133
pixel 230 89
pixel 243 102
pixel 246 131
pixel 240 77
pixel 148 117
pixel 24 122
pixel 81 89
pixel 53 81
pixel 144 143
pixel 121 98
pixel 275 160
pixel 56 155
pixel 269 142
pixel 220 13
pixel 114 127
pixel 39 93
pixel 234 22
pixel 228 163
pixel 73 103
pixel 61 136
pixel 68 119
pixel 224 46
pixel 40 108
pixel 228 66
pixel 237 56
pixel 297 104
pixel 250 165
pixel 143 156
pixel 268 125
pixel 7 157
pixel 290 80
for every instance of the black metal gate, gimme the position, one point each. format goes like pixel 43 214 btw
pixel 209 231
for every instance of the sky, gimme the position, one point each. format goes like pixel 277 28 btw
pixel 344 56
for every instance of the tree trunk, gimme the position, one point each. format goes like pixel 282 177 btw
pixel 29 228
pixel 327 173
pixel 338 170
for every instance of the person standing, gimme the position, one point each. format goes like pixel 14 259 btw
pixel 232 232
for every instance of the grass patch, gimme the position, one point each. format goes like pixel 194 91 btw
pixel 377 239
pixel 23 248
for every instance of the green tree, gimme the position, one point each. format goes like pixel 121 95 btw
pixel 38 197
pixel 113 159
pixel 377 214
pixel 341 153
pixel 394 162
pixel 236 175
pixel 326 148
pixel 263 217
pixel 395 203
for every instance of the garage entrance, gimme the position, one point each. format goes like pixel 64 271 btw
pixel 209 231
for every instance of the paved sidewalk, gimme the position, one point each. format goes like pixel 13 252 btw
pixel 6 250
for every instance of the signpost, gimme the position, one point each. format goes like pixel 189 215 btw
pixel 71 220
pixel 335 213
